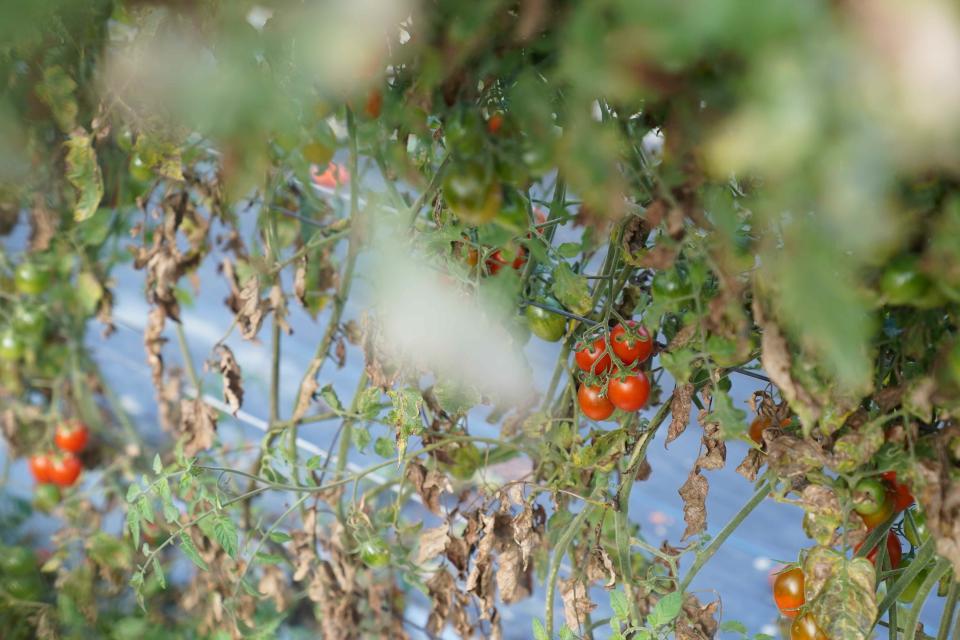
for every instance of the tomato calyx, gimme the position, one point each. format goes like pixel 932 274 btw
pixel 593 357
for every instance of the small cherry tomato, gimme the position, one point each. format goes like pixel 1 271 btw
pixel 544 324
pixel 40 466
pixel 139 170
pixel 894 551
pixel 331 177
pixel 11 345
pixel 29 279
pixel 902 498
pixel 65 469
pixel 886 510
pixel 758 426
pixel 374 553
pixel 30 323
pixel 805 628
pixel 788 591
pixel 71 436
pixel 593 358
pixel 631 350
pixel 495 123
pixel 46 496
pixel 869 496
pixel 916 532
pixel 629 393
pixel 593 404
pixel 670 285
pixel 374 104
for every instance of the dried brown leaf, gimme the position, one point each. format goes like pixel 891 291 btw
pixel 251 309
pixel 273 585
pixel 751 464
pixel 231 377
pixel 433 543
pixel 694 494
pixel 680 407
pixel 576 603
pixel 198 426
pixel 428 484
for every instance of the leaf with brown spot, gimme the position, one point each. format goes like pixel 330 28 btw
pixel 680 407
pixel 232 379
pixel 429 485
pixel 600 567
pixel 300 282
pixel 433 542
pixel 576 604
pixel 715 449
pixel 251 308
pixel 751 464
pixel 694 494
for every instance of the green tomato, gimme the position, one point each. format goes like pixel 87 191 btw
pixel 902 282
pixel 953 361
pixel 869 496
pixel 544 324
pixel 18 561
pixel 22 588
pixel 46 496
pixel 670 285
pixel 374 553
pixel 11 345
pixel 125 139
pixel 30 323
pixel 30 279
pixel 471 193
pixel 916 532
pixel 140 171
pixel 909 594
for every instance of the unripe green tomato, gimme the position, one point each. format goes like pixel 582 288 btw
pixel 869 496
pixel 544 324
pixel 140 171
pixel 916 532
pixel 374 553
pixel 11 345
pixel 125 139
pixel 30 279
pixel 909 594
pixel 471 193
pixel 46 497
pixel 902 282
pixel 670 285
pixel 30 323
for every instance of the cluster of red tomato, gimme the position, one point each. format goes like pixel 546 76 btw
pixel 52 469
pixel 875 500
pixel 626 387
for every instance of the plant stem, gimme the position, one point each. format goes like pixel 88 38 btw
pixel 561 549
pixel 948 610
pixel 704 556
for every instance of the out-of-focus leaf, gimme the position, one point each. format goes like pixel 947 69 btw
pixel 57 91
pixel 83 172
pixel 571 289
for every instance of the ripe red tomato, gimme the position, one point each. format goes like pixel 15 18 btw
pixel 788 591
pixel 72 436
pixel 902 498
pixel 805 628
pixel 65 469
pixel 758 426
pixel 374 104
pixel 894 552
pixel 880 516
pixel 594 405
pixel 593 358
pixel 495 123
pixel 630 393
pixel 630 351
pixel 40 467
pixel 333 175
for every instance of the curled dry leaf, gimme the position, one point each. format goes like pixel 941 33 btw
pixel 198 426
pixel 153 342
pixel 449 605
pixel 576 603
pixel 303 546
pixel 429 484
pixel 751 464
pixel 823 512
pixel 694 494
pixel 714 455
pixel 791 456
pixel 273 585
pixel 696 621
pixel 308 390
pixel 278 306
pixel 433 543
pixel 43 224
pixel 251 308
pixel 513 581
pixel 600 567
pixel 680 411
pixel 232 379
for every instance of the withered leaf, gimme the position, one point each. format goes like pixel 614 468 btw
pixel 694 494
pixel 513 581
pixel 433 542
pixel 198 426
pixel 600 567
pixel 278 305
pixel 273 585
pixel 715 449
pixel 428 484
pixel 751 464
pixel 300 282
pixel 576 604
pixel 697 622
pixel 449 604
pixel 231 377
pixel 251 309
pixel 308 390
pixel 680 411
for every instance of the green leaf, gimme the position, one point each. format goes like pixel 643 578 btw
pixel 571 289
pixel 405 416
pixel 170 512
pixel 146 509
pixel 569 250
pixel 619 604
pixel 57 92
pixel 539 633
pixel 330 397
pixel 191 551
pixel 567 634
pixel 384 447
pixel 133 525
pixel 360 437
pixel 456 398
pixel 83 172
pixel 678 363
pixel 732 420
pixel 157 464
pixel 368 403
pixel 158 573
pixel 280 537
pixel 89 291
pixel 225 533
pixel 666 609
pixel 133 491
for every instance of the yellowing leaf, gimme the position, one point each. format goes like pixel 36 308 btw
pixel 83 172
